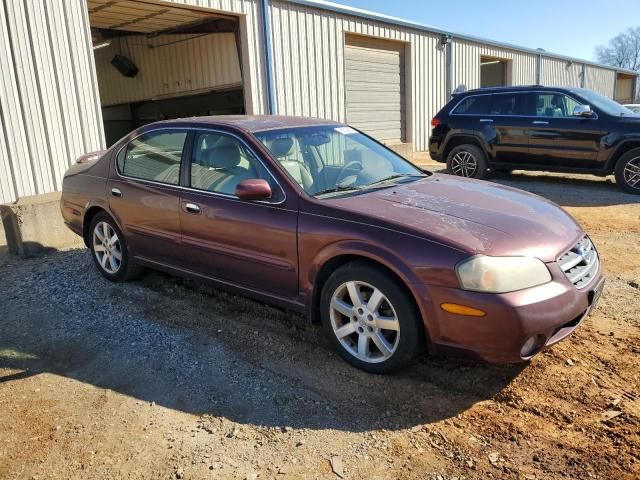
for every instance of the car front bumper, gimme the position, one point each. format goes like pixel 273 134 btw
pixel 549 312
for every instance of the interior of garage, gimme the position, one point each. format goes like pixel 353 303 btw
pixel 156 62
pixel 493 72
pixel 624 88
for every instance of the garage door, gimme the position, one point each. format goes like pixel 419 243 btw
pixel 374 80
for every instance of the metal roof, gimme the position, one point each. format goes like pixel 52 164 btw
pixel 359 12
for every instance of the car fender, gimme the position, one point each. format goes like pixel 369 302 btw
pixel 620 143
pixel 453 134
pixel 374 253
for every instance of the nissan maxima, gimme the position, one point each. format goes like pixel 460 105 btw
pixel 317 217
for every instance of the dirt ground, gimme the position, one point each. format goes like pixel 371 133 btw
pixel 164 379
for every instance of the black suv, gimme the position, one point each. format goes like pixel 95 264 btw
pixel 538 128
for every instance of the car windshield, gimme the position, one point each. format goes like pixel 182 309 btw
pixel 336 159
pixel 602 103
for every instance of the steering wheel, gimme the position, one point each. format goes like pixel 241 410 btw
pixel 346 167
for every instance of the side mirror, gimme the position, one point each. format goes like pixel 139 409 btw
pixel 582 111
pixel 253 189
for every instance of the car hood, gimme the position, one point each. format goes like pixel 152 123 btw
pixel 475 216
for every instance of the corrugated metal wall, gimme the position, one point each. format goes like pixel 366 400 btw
pixel 311 81
pixel 466 62
pixel 49 110
pixel 600 80
pixel 169 65
pixel 560 73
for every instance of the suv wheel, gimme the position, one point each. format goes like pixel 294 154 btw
pixel 109 250
pixel 370 320
pixel 467 161
pixel 628 171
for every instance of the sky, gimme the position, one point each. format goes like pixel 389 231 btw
pixel 568 27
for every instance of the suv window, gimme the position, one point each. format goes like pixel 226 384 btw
pixel 554 105
pixel 474 105
pixel 153 156
pixel 508 104
pixel 219 162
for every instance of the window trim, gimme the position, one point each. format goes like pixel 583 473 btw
pixel 452 111
pixel 125 147
pixel 189 146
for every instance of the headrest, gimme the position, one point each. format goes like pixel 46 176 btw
pixel 224 156
pixel 281 147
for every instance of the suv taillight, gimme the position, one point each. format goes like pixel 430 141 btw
pixel 435 122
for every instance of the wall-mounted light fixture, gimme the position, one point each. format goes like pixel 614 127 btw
pixel 445 39
pixel 102 44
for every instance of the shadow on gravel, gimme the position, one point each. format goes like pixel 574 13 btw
pixel 569 191
pixel 214 353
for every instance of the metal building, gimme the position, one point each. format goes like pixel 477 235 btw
pixel 75 75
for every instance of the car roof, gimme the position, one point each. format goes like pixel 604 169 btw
pixel 249 123
pixel 518 88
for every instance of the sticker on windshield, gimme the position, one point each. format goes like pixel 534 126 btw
pixel 346 130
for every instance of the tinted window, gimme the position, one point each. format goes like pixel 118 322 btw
pixel 220 162
pixel 476 105
pixel 154 156
pixel 554 105
pixel 508 104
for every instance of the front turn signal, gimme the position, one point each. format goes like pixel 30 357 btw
pixel 462 310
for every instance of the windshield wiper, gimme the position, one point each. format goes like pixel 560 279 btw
pixel 396 176
pixel 338 188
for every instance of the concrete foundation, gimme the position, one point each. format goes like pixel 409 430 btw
pixel 403 149
pixel 34 225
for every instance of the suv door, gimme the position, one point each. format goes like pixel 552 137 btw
pixel 557 139
pixel 251 243
pixel 144 194
pixel 506 129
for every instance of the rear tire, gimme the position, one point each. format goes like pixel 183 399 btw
pixel 628 172
pixel 109 250
pixel 467 161
pixel 380 330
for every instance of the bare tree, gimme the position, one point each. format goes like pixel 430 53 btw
pixel 622 51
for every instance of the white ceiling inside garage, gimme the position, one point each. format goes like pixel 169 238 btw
pixel 141 16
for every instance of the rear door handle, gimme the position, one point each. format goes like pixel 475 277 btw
pixel 192 208
pixel 115 192
pixel 486 120
pixel 540 122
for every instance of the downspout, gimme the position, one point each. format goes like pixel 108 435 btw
pixel 449 71
pixel 538 68
pixel 583 79
pixel 266 28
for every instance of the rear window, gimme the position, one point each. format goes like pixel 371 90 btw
pixel 474 105
pixel 508 104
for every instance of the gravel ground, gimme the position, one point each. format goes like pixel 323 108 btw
pixel 162 378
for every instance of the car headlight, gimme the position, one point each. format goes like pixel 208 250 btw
pixel 501 274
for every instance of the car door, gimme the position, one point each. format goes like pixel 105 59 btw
pixel 505 128
pixel 248 243
pixel 558 139
pixel 144 194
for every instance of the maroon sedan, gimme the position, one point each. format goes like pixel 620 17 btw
pixel 317 217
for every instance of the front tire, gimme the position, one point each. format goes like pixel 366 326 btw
pixel 109 250
pixel 370 320
pixel 467 161
pixel 628 172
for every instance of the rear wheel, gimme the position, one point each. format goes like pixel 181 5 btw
pixel 370 320
pixel 467 161
pixel 109 250
pixel 628 171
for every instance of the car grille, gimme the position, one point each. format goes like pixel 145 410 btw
pixel 580 264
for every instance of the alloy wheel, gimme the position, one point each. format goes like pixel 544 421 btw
pixel 107 247
pixel 632 173
pixel 364 321
pixel 464 164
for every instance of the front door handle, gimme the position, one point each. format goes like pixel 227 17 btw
pixel 486 120
pixel 192 208
pixel 115 192
pixel 540 122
